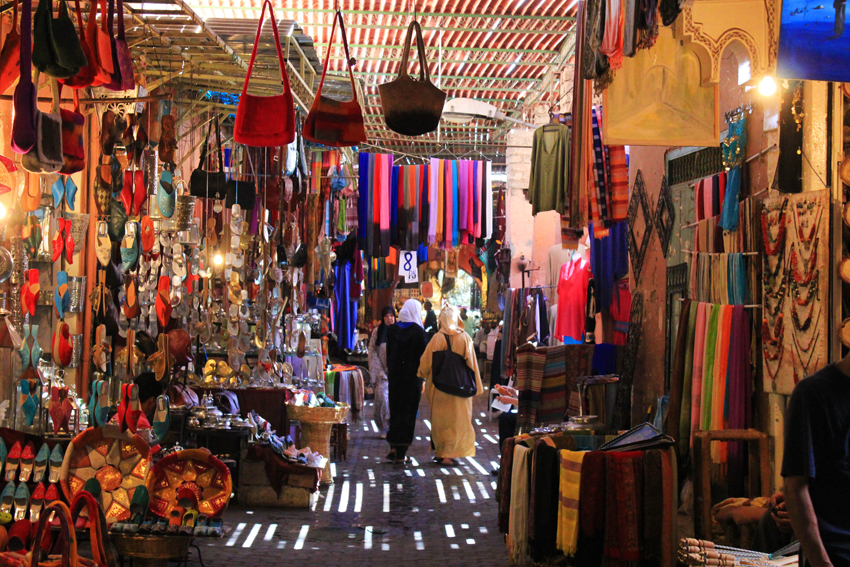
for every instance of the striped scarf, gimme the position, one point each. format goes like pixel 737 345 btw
pixel 568 501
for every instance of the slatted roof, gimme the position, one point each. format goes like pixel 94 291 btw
pixel 499 51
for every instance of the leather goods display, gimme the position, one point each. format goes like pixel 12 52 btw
pixel 209 184
pixel 73 149
pixel 122 53
pixel 23 124
pixel 46 154
pixel 87 73
pixel 333 122
pixel 412 107
pixel 266 120
pixel 240 192
pixel 56 49
pixel 99 45
pixel 451 373
pixel 10 56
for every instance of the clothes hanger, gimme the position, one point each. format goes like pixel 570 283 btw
pixel 445 149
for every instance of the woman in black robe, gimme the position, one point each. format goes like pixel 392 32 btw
pixel 406 341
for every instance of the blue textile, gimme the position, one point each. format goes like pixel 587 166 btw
pixel 729 214
pixel 345 308
pixel 609 262
pixel 394 207
pixel 362 200
pixel 604 359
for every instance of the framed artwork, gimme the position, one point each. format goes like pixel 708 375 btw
pixel 812 42
pixel 451 263
pixel 656 99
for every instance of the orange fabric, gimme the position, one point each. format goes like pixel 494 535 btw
pixel 440 198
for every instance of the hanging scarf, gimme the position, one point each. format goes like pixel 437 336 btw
pixel 568 501
pixel 699 359
pixel 518 520
pixel 624 512
pixel 612 41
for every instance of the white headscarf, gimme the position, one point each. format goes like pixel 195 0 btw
pixel 450 321
pixel 411 312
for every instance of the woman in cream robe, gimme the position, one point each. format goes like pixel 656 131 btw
pixel 451 416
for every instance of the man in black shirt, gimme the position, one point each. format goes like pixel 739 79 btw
pixel 430 320
pixel 816 465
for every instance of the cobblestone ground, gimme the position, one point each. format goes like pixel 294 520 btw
pixel 378 513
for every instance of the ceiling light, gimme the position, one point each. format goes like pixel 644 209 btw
pixel 218 260
pixel 767 86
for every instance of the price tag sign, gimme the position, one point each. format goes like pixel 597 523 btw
pixel 408 266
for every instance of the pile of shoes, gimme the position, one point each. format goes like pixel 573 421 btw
pixel 31 479
pixel 183 520
pixel 313 400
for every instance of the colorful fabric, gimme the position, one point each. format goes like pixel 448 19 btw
pixel 530 366
pixel 708 365
pixel 593 489
pixel 624 512
pixel 568 501
pixel 504 486
pixel 699 359
pixel 619 182
pixel 518 521
pixel 554 387
pixel 599 169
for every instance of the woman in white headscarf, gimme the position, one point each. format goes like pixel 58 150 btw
pixel 451 416
pixel 406 341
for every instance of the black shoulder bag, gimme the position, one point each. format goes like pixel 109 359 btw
pixel 451 373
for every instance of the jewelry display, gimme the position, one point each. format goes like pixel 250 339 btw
pixel 793 265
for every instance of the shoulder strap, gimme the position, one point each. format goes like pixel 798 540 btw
pixel 348 58
pixel 121 35
pixel 79 18
pixel 284 78
pixel 26 42
pixel 424 72
pixel 110 19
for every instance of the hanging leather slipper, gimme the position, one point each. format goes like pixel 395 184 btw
pixel 40 465
pixel 163 301
pixel 27 461
pixel 131 297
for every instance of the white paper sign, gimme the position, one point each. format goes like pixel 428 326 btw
pixel 408 266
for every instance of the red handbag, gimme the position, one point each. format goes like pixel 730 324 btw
pixel 10 56
pixel 73 149
pixel 99 45
pixel 266 121
pixel 333 122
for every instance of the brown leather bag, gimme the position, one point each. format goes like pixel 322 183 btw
pixel 333 122
pixel 412 107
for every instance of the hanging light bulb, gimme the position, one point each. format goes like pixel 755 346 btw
pixel 767 86
pixel 2 211
pixel 218 259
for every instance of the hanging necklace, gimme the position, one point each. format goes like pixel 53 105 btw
pixel 772 246
pixel 771 273
pixel 801 300
pixel 811 355
pixel 778 331
pixel 806 278
pixel 804 326
pixel 798 223
pixel 814 337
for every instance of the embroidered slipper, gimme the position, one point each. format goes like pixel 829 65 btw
pixel 59 294
pixel 131 297
pixel 140 194
pixel 13 460
pixel 37 501
pixel 27 460
pixel 40 465
pixel 35 351
pixel 22 501
pixel 69 242
pixel 58 239
pixel 148 234
pixel 57 456
pixel 127 192
pixel 103 246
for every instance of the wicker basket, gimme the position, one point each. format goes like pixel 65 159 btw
pixel 308 414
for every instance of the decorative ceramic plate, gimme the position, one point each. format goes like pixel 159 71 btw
pixel 191 469
pixel 118 463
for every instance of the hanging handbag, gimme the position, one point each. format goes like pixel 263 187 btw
pixel 333 122
pixel 23 124
pixel 115 75
pixel 87 73
pixel 209 184
pixel 122 53
pixel 411 107
pixel 242 193
pixel 46 154
pixel 73 149
pixel 10 56
pixel 103 554
pixel 451 374
pixel 99 45
pixel 266 121
pixel 56 49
